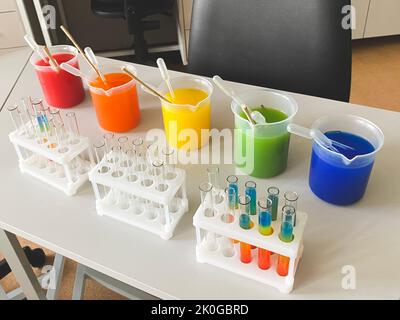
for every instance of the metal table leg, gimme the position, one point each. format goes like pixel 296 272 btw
pixel 20 266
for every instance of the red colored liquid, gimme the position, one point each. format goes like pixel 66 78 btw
pixel 264 259
pixel 62 89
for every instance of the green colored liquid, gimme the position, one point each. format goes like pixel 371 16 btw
pixel 267 157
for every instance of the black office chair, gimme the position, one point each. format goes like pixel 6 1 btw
pixel 297 46
pixel 134 11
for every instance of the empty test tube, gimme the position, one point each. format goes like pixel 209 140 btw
pixel 291 198
pixel 159 175
pixel 59 130
pixel 285 235
pixel 15 117
pixel 72 127
pixel 251 191
pixel 232 182
pixel 170 162
pixel 273 195
pixel 207 200
pixel 245 223
pixel 213 178
pixel 140 152
pixel 264 227
pixel 207 203
pixel 109 140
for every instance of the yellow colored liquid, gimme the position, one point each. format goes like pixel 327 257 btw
pixel 183 126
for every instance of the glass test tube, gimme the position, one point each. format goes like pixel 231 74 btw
pixel 59 130
pixel 251 191
pixel 109 141
pixel 26 102
pixel 273 195
pixel 207 202
pixel 115 159
pixel 264 227
pixel 131 156
pixel 39 112
pixel 168 155
pixel 100 152
pixel 15 117
pixel 213 178
pixel 123 142
pixel 291 198
pixel 230 200
pixel 141 162
pixel 159 175
pixel 233 183
pixel 170 162
pixel 285 235
pixel 245 223
pixel 73 128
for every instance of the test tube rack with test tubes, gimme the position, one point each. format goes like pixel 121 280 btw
pixel 49 146
pixel 138 183
pixel 259 240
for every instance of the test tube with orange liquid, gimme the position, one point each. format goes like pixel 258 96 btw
pixel 116 101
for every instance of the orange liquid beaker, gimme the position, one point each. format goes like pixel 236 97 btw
pixel 116 102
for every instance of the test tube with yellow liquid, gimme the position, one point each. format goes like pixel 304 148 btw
pixel 187 118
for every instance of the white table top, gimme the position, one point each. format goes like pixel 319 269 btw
pixel 12 63
pixel 364 235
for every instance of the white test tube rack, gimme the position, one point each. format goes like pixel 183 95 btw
pixel 41 161
pixel 163 222
pixel 272 243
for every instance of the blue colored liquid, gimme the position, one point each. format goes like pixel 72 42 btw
pixel 252 193
pixel 337 183
pixel 244 221
pixel 286 231
pixel 235 187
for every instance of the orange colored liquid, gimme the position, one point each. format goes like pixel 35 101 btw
pixel 264 259
pixel 283 265
pixel 119 111
pixel 245 252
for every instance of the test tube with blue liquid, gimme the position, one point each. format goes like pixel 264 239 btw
pixel 245 223
pixel 291 198
pixel 233 183
pixel 273 195
pixel 251 191
pixel 265 228
pixel 286 235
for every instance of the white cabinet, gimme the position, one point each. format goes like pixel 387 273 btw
pixel 7 5
pixel 361 11
pixel 383 18
pixel 11 30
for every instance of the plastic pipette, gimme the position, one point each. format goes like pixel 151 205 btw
pixel 318 136
pixel 165 75
pixel 42 51
pixel 230 93
pixel 91 56
pixel 76 72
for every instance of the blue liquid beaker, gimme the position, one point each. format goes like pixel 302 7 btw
pixel 342 178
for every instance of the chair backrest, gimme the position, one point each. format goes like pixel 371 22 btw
pixel 293 45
